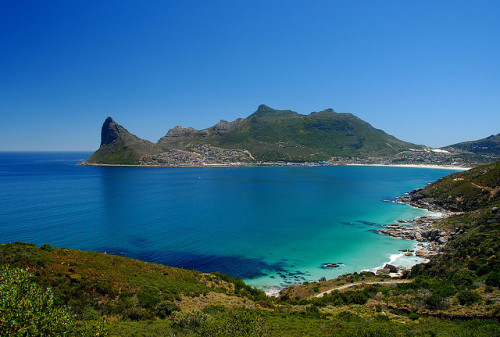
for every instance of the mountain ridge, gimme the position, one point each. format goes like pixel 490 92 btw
pixel 487 145
pixel 267 134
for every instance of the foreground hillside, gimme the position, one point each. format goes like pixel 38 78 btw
pixel 456 294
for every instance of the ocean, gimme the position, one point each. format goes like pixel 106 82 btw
pixel 270 226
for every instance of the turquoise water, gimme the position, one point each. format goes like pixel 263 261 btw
pixel 271 226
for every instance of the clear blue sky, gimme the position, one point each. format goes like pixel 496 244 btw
pixel 424 71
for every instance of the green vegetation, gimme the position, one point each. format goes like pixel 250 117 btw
pixel 118 146
pixel 28 310
pixel 488 145
pixel 269 135
pixel 465 191
pixel 274 135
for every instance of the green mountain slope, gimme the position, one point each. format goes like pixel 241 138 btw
pixel 273 135
pixel 488 145
pixel 463 191
pixel 267 134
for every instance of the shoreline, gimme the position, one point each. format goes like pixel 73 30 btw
pixel 283 164
pixel 444 167
pixel 428 243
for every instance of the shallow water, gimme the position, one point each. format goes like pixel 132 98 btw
pixel 272 226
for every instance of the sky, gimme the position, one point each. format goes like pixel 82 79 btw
pixel 427 72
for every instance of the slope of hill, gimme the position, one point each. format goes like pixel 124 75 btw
pixel 461 191
pixel 266 135
pixel 489 145
pixel 272 135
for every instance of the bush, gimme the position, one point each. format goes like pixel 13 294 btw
pixel 234 322
pixel 493 279
pixel 166 308
pixel 148 299
pixel 28 310
pixel 190 320
pixel 463 277
pixel 467 297
pixel 436 301
pixel 137 314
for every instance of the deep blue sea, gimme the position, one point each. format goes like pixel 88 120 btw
pixel 271 226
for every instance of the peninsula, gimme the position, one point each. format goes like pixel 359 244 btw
pixel 282 137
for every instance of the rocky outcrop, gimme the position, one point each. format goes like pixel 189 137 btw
pixel 110 131
pixel 422 229
pixel 179 131
pixel 418 198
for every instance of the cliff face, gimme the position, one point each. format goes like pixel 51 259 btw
pixel 110 131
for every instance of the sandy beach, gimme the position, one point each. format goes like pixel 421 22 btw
pixel 460 168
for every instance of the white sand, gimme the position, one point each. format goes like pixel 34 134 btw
pixel 416 166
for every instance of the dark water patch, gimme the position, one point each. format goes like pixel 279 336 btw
pixel 373 231
pixel 368 223
pixel 241 267
pixel 346 223
pixel 140 242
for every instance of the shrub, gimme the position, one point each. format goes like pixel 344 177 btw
pixel 137 314
pixel 166 308
pixel 467 297
pixel 436 301
pixel 190 320
pixel 493 279
pixel 463 277
pixel 234 322
pixel 28 310
pixel 148 299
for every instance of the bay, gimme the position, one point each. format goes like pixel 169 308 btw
pixel 271 226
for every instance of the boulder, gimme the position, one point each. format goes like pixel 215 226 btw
pixel 383 271
pixel 391 268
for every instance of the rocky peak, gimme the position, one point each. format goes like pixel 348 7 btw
pixel 328 111
pixel 222 127
pixel 110 131
pixel 264 108
pixel 179 131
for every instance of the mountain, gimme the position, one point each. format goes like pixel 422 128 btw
pixel 118 146
pixel 488 145
pixel 266 135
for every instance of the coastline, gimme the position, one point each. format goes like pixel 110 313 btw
pixel 445 167
pixel 288 164
pixel 429 242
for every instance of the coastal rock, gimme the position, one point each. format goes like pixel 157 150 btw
pixel 383 271
pixel 408 254
pixel 425 253
pixel 330 265
pixel 391 268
